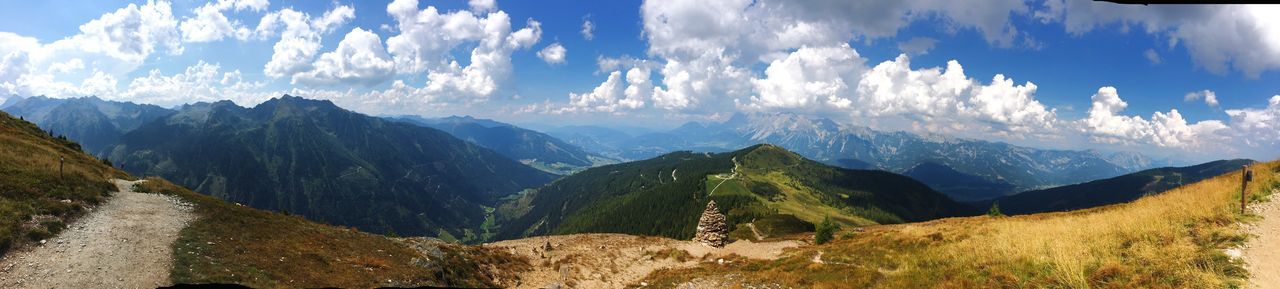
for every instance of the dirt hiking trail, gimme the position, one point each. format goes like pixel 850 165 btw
pixel 124 243
pixel 1262 254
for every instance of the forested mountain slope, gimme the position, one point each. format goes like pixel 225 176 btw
pixel 665 195
pixel 315 159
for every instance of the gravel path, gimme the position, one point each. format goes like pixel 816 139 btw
pixel 1262 254
pixel 125 243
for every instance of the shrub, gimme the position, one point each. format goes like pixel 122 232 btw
pixel 825 231
pixel 53 226
pixel 995 210
pixel 38 234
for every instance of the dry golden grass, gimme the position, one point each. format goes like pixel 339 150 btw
pixel 1171 240
pixel 240 245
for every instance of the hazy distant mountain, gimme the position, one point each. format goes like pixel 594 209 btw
pixel 827 141
pixel 665 195
pixel 530 147
pixel 960 186
pixel 1115 190
pixel 315 159
pixel 601 140
pixel 95 123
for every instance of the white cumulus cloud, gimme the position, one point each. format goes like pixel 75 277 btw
pixel 810 76
pixel 211 24
pixel 482 6
pixel 614 94
pixel 359 59
pixel 707 47
pixel 112 45
pixel 553 54
pixel 200 82
pixel 1259 128
pixel 427 36
pixel 1210 98
pixel 1107 124
pixel 1218 37
pixel 299 39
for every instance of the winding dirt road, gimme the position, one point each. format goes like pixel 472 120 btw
pixel 125 243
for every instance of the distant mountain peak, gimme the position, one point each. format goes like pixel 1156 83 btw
pixel 297 100
pixel 290 106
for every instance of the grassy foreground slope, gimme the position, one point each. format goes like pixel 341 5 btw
pixel 240 245
pixel 1171 240
pixel 35 200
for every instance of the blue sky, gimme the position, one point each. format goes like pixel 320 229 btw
pixel 1101 75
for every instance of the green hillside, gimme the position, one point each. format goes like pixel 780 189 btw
pixel 331 165
pixel 1115 190
pixel 665 195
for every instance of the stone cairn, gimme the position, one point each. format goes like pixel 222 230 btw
pixel 712 230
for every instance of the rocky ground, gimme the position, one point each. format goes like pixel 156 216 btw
pixel 617 260
pixel 1262 254
pixel 124 243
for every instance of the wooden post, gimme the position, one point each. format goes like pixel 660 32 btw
pixel 1245 177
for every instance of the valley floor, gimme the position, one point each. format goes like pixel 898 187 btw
pixel 1262 254
pixel 618 260
pixel 125 243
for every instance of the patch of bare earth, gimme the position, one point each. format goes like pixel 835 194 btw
pixel 1262 254
pixel 124 243
pixel 618 260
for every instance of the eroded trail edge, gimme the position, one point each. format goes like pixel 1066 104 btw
pixel 125 243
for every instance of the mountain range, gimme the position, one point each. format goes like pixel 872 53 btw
pixel 312 158
pixel 974 169
pixel 438 176
pixel 533 148
pixel 94 123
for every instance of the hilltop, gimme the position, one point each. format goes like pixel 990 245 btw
pixel 664 196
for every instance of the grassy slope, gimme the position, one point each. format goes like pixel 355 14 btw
pixel 1171 240
pixel 228 243
pixel 32 191
pixel 1125 188
pixel 236 244
pixel 643 198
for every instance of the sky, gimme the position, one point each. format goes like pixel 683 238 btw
pixel 1182 80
